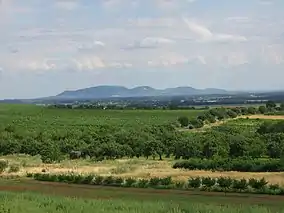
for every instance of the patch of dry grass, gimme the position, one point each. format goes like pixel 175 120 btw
pixel 272 117
pixel 137 168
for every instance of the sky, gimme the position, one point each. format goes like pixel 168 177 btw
pixel 47 47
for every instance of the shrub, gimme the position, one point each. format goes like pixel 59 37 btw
pixel 240 165
pixel 166 181
pixel 194 182
pixel 98 180
pixel 196 123
pixel 240 184
pixel 179 184
pixel 274 187
pixel 224 182
pixel 108 181
pixel 87 179
pixel 14 168
pixel 208 182
pixel 257 184
pixel 154 181
pixel 129 182
pixel 143 183
pixel 184 121
pixel 3 165
pixel 29 175
pixel 118 181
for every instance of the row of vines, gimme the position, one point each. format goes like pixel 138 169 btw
pixel 222 184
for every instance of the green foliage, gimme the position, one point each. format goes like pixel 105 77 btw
pixel 129 182
pixel 223 184
pixel 270 105
pixel 13 168
pixel 115 134
pixel 184 121
pixel 257 184
pixel 98 180
pixel 240 165
pixel 196 123
pixel 240 184
pixel 262 109
pixel 208 182
pixel 3 165
pixel 194 182
pixel 12 202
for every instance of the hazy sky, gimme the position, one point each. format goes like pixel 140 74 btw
pixel 47 46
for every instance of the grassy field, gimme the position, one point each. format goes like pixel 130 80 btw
pixel 76 198
pixel 35 117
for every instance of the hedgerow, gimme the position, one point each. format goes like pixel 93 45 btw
pixel 221 184
pixel 239 165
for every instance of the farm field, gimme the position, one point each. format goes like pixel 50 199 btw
pixel 135 168
pixel 19 196
pixel 139 144
pixel 37 117
pixel 142 167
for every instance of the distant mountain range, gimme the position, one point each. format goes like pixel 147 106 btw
pixel 101 92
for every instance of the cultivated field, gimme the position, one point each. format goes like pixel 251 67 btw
pixel 136 168
pixel 36 117
pixel 109 200
pixel 131 144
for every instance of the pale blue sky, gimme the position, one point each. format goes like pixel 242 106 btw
pixel 50 46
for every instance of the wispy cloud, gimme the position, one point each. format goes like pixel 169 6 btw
pixel 204 34
pixel 112 40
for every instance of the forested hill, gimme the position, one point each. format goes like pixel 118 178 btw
pixel 142 91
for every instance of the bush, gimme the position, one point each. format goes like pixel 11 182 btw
pixel 257 184
pixel 184 121
pixel 154 181
pixel 14 168
pixel 166 181
pixel 239 165
pixel 118 181
pixel 194 182
pixel 142 183
pixel 224 182
pixel 98 180
pixel 196 123
pixel 3 165
pixel 129 182
pixel 108 181
pixel 240 184
pixel 208 182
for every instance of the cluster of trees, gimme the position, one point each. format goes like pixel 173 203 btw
pixel 221 113
pixel 239 165
pixel 221 184
pixel 157 141
pixel 124 106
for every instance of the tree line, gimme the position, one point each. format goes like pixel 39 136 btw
pixel 222 113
